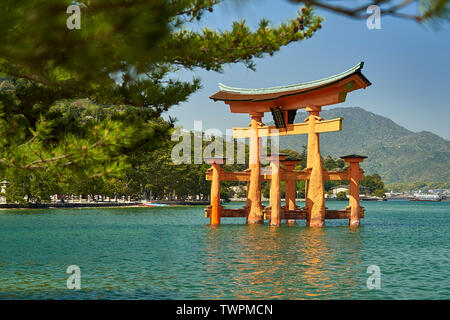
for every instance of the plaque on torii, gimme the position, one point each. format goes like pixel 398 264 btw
pixel 291 129
pixel 283 102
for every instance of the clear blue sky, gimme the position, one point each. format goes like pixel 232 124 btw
pixel 407 63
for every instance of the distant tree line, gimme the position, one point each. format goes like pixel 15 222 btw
pixel 402 187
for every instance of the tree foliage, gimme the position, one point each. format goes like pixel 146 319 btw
pixel 342 195
pixel 374 184
pixel 426 10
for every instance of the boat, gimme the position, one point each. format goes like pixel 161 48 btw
pixel 426 197
pixel 154 204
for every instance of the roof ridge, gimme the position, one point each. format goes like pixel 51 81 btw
pixel 291 87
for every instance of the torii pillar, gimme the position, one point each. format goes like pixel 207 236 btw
pixel 255 215
pixel 354 178
pixel 315 197
pixel 275 194
pixel 215 189
pixel 290 193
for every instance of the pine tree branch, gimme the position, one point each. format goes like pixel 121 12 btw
pixel 360 11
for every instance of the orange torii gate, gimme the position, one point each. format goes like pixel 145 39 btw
pixel 283 103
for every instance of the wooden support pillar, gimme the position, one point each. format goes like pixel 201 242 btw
pixel 215 189
pixel 354 178
pixel 315 198
pixel 215 195
pixel 290 195
pixel 290 192
pixel 255 215
pixel 248 201
pixel 275 194
pixel 290 199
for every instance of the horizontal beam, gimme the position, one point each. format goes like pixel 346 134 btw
pixel 300 214
pixel 228 213
pixel 284 175
pixel 335 175
pixel 293 175
pixel 291 129
pixel 233 176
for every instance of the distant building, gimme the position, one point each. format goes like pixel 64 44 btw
pixel 341 188
pixel 4 185
pixel 346 188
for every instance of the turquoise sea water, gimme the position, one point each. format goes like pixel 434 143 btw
pixel 172 253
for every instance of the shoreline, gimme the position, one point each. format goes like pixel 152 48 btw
pixel 136 204
pixel 9 206
pixel 110 204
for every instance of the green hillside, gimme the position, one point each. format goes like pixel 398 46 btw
pixel 394 152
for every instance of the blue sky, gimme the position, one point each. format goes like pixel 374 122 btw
pixel 407 63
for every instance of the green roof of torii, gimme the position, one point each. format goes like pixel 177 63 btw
pixel 231 93
pixel 298 86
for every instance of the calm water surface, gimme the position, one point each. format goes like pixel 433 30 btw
pixel 172 253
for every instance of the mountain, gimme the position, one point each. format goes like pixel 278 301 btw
pixel 394 152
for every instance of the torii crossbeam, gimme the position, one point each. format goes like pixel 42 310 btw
pixel 283 102
pixel 290 129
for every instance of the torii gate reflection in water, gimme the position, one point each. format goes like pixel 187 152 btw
pixel 283 102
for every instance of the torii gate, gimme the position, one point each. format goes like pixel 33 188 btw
pixel 284 102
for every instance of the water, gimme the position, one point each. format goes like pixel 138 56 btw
pixel 172 253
